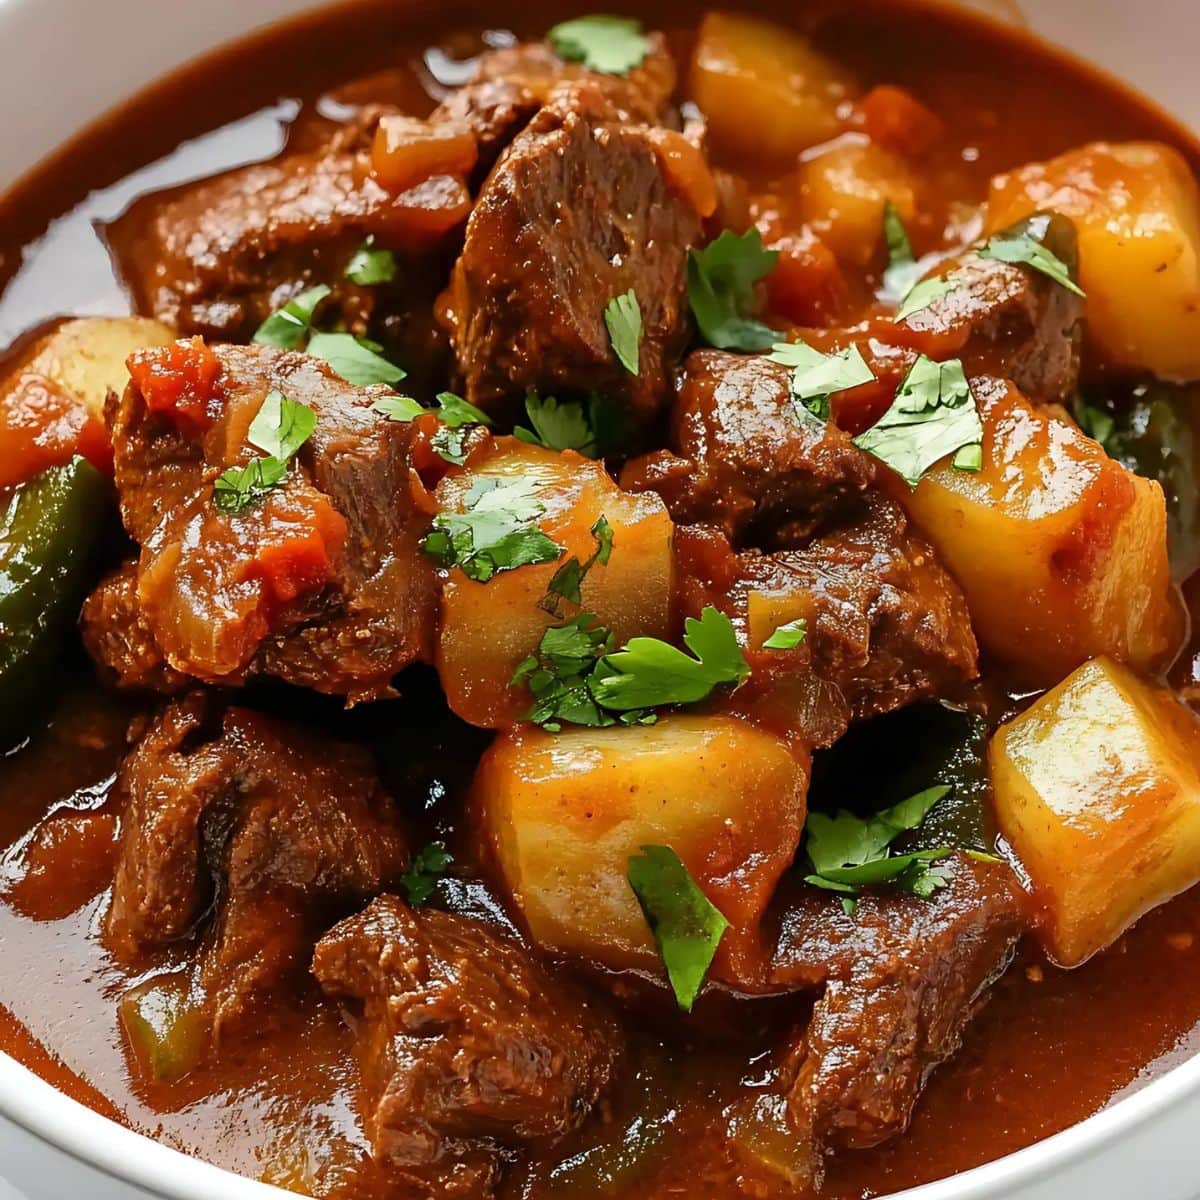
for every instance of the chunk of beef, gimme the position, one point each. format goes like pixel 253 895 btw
pixel 321 582
pixel 744 460
pixel 902 977
pixel 283 830
pixel 578 211
pixel 466 1041
pixel 216 258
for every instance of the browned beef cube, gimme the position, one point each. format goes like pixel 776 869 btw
pixel 286 830
pixel 466 1041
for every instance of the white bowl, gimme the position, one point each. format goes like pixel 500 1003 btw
pixel 65 62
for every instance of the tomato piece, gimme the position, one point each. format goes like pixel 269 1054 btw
pixel 43 426
pixel 408 151
pixel 180 381
pixel 806 286
pixel 296 548
pixel 894 118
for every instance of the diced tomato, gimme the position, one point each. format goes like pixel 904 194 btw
pixel 806 287
pixel 407 151
pixel 296 547
pixel 893 118
pixel 41 426
pixel 180 381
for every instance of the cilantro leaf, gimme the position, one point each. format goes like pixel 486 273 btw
pixel 239 487
pixel 557 675
pixel 398 408
pixel 355 361
pixel 788 636
pixel 933 415
pixel 647 673
pixel 623 317
pixel 456 412
pixel 428 865
pixel 817 376
pixel 721 279
pixel 921 295
pixel 686 925
pixel 281 426
pixel 288 328
pixel 497 531
pixel 561 425
pixel 1022 245
pixel 611 45
pixel 371 265
pixel 568 579
pixel 903 270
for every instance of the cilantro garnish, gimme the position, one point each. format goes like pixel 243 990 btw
pixel 1023 246
pixel 686 925
pixel 497 531
pixel 561 425
pixel 1096 423
pixel 921 295
pixel 371 265
pixel 288 328
pixel 623 317
pixel 239 487
pixel 568 579
pixel 817 376
pixel 788 636
pixel 611 45
pixel 428 865
pixel 456 412
pixel 280 427
pixel 721 280
pixel 356 360
pixel 558 674
pixel 456 417
pixel 398 408
pixel 903 270
pixel 933 415
pixel 848 853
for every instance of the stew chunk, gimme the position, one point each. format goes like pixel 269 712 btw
pixel 466 1041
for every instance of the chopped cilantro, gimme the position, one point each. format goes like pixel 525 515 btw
pixel 1096 423
pixel 281 426
pixel 561 425
pixel 623 317
pixel 371 265
pixel 568 579
pixel 817 376
pixel 497 531
pixel 456 412
pixel 787 637
pixel 428 865
pixel 933 415
pixel 903 270
pixel 611 45
pixel 355 360
pixel 921 295
pixel 239 487
pixel 1024 247
pixel 398 408
pixel 686 925
pixel 848 853
pixel 721 279
pixel 558 674
pixel 288 328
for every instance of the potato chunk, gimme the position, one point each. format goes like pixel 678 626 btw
pixel 1061 551
pixel 1137 208
pixel 487 629
pixel 563 814
pixel 1098 791
pixel 764 89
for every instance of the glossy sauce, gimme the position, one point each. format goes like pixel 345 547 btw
pixel 1048 1049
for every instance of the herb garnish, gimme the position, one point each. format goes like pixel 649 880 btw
pixel 561 425
pixel 721 279
pixel 497 531
pixel 921 295
pixel 239 487
pixel 568 579
pixel 1025 249
pixel 848 853
pixel 611 45
pixel 289 327
pixel 934 414
pixel 788 636
pixel 371 265
pixel 623 317
pixel 428 866
pixel 280 427
pixel 903 270
pixel 817 376
pixel 398 408
pixel 686 925
pixel 559 672
pixel 458 417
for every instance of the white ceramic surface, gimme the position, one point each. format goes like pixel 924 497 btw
pixel 63 62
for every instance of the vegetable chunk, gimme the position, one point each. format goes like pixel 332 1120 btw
pixel 1097 789
pixel 1137 208
pixel 488 628
pixel 564 814
pixel 1061 551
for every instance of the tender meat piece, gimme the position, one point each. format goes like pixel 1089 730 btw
pixel 285 830
pixel 216 258
pixel 578 211
pixel 466 1041
pixel 321 583
pixel 745 461
pixel 902 978
pixel 495 110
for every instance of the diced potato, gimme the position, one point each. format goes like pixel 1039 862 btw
pixel 86 357
pixel 1061 551
pixel 1097 790
pixel 843 190
pixel 1137 207
pixel 563 814
pixel 765 91
pixel 487 629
